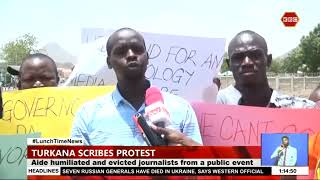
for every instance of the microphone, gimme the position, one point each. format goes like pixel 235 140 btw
pixel 280 151
pixel 155 110
pixel 151 137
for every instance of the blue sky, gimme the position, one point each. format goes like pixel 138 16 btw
pixel 61 20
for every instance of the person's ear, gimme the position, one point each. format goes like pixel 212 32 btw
pixel 269 60
pixel 108 62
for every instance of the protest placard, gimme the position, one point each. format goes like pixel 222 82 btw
pixel 46 110
pixel 13 156
pixel 230 125
pixel 181 65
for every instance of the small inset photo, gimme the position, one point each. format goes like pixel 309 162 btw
pixel 284 149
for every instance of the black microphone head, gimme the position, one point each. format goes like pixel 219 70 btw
pixel 153 137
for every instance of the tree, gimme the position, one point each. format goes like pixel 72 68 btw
pixel 276 66
pixel 306 56
pixel 224 66
pixel 310 48
pixel 14 51
pixel 293 61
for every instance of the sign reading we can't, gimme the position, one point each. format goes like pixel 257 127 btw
pixel 230 125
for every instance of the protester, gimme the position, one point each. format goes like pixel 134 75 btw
pixel 37 70
pixel 108 119
pixel 248 61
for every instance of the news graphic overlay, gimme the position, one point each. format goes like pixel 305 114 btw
pixel 286 153
pixel 77 160
pixel 290 19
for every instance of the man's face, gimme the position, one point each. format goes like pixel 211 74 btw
pixel 248 60
pixel 285 141
pixel 38 73
pixel 128 56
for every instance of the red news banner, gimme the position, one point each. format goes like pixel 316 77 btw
pixel 136 152
pixel 231 125
pixel 137 161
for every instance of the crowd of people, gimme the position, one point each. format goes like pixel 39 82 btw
pixel 108 120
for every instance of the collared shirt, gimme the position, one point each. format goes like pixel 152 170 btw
pixel 286 157
pixel 232 96
pixel 107 120
pixel 229 95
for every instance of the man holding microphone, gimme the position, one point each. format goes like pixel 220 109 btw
pixel 286 155
pixel 108 120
